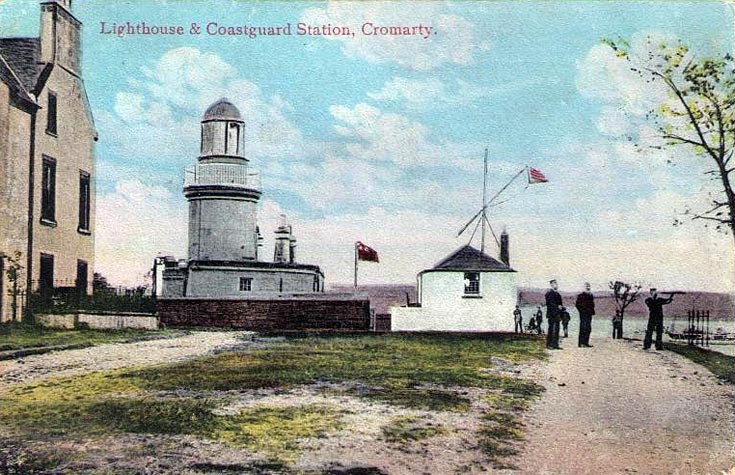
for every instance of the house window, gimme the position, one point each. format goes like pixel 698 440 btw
pixel 472 283
pixel 51 114
pixel 48 191
pixel 46 275
pixel 246 284
pixel 84 202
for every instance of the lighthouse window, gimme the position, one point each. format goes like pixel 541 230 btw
pixel 246 284
pixel 471 283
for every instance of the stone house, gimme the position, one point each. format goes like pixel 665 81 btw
pixel 47 137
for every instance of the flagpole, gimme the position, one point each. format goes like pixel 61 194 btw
pixel 484 208
pixel 355 266
pixel 479 213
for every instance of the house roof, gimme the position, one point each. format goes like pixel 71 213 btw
pixel 9 77
pixel 22 55
pixel 467 258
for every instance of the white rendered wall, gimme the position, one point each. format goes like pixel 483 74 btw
pixel 445 307
pixel 214 142
pixel 222 229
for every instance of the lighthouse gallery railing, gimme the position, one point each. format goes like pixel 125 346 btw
pixel 221 174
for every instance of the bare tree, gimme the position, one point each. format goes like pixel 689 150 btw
pixel 699 114
pixel 624 294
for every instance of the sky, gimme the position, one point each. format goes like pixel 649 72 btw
pixel 381 139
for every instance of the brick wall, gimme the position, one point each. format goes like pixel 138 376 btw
pixel 267 315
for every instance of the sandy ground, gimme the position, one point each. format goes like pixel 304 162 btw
pixel 617 409
pixel 611 409
pixel 118 355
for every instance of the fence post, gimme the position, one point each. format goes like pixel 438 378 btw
pixel 707 342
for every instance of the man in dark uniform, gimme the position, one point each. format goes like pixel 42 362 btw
pixel 586 308
pixel 655 319
pixel 553 315
pixel 539 319
pixel 518 319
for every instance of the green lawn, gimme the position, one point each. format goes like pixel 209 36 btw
pixel 15 336
pixel 722 366
pixel 415 371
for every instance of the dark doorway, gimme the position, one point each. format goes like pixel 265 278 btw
pixel 82 278
pixel 46 276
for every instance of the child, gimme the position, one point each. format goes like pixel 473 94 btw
pixel 565 321
pixel 617 322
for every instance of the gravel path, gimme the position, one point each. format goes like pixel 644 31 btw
pixel 118 355
pixel 617 409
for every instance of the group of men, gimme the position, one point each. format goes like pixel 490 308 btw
pixel 557 314
pixel 557 317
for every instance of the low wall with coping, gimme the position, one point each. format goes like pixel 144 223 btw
pixel 313 312
pixel 99 321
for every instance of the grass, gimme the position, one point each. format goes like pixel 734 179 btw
pixel 416 371
pixel 722 366
pixel 501 430
pixel 405 430
pixel 395 367
pixel 18 336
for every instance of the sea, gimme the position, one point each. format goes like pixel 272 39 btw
pixel 635 327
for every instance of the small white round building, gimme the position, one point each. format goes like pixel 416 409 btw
pixel 224 238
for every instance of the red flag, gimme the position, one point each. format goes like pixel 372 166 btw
pixel 366 253
pixel 536 176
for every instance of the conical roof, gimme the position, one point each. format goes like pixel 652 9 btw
pixel 467 258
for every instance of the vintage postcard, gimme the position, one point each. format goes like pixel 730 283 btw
pixel 367 237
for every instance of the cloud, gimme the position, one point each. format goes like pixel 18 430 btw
pixel 414 91
pixel 135 223
pixel 156 121
pixel 433 92
pixel 371 134
pixel 455 43
pixel 603 75
pixel 562 240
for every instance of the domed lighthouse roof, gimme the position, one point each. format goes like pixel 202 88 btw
pixel 222 109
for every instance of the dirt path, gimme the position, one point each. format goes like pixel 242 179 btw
pixel 617 409
pixel 117 355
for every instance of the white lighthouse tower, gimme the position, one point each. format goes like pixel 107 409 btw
pixel 222 192
pixel 224 238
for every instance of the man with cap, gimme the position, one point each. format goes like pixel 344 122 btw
pixel 655 319
pixel 518 319
pixel 553 315
pixel 586 307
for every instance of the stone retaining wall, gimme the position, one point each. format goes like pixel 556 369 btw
pixel 268 314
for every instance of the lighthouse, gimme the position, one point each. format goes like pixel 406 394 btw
pixel 222 192
pixel 224 238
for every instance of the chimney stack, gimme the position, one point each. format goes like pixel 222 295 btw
pixel 285 243
pixel 504 249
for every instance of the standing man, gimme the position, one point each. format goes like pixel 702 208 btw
pixel 518 319
pixel 539 319
pixel 586 308
pixel 655 319
pixel 553 315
